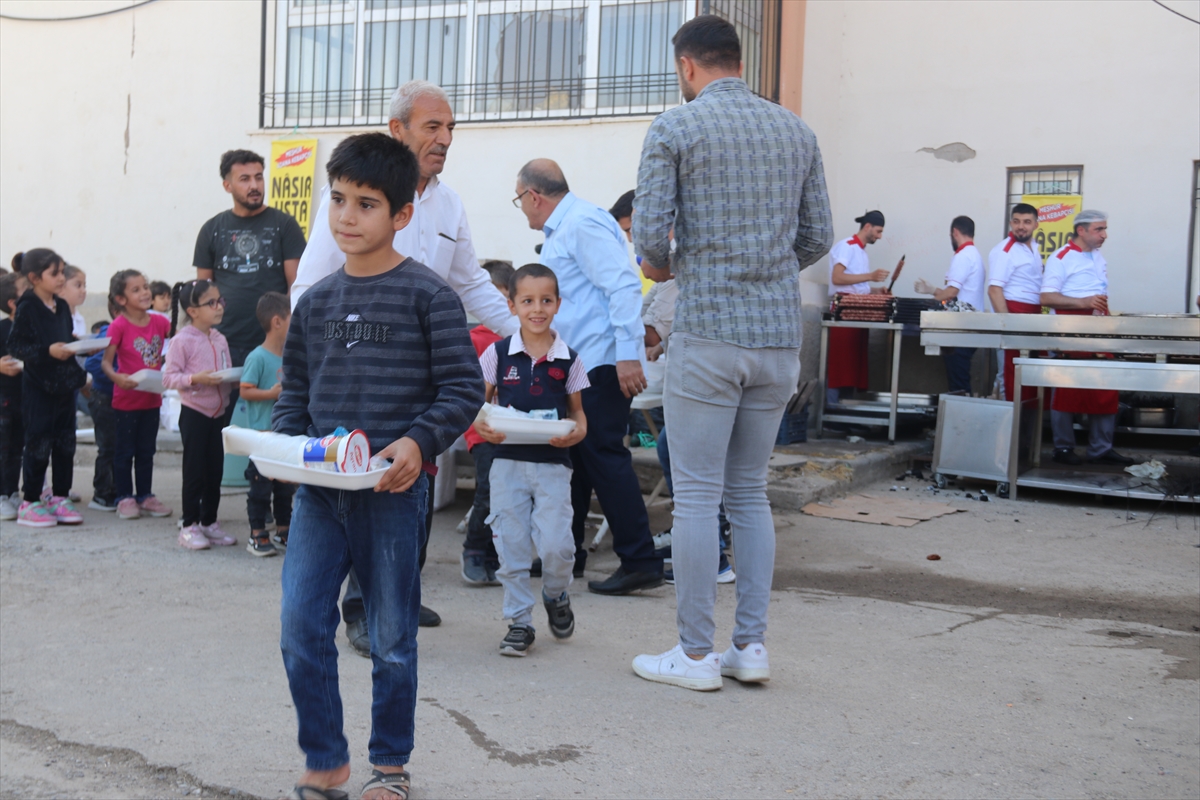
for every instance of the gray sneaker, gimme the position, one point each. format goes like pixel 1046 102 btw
pixel 474 570
pixel 360 638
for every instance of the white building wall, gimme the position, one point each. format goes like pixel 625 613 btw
pixel 1113 86
pixel 113 128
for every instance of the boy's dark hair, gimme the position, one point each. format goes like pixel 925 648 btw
pixel 379 162
pixel 270 306
pixel 500 272
pixel 231 158
pixel 35 262
pixel 624 206
pixel 96 326
pixel 710 41
pixel 8 289
pixel 159 288
pixel 531 271
pixel 185 295
pixel 964 225
pixel 1024 208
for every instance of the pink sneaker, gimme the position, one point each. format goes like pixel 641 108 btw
pixel 36 515
pixel 64 511
pixel 216 536
pixel 193 538
pixel 128 509
pixel 153 508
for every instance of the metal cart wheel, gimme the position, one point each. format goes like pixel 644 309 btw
pixel 1002 491
pixel 939 480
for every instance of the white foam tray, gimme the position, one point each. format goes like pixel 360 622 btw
pixel 148 380
pixel 229 375
pixel 88 345
pixel 281 471
pixel 531 431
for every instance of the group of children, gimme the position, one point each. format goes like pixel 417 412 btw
pixel 42 382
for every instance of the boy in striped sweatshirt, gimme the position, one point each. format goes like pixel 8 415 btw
pixel 381 345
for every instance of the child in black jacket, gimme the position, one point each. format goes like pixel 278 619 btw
pixel 41 329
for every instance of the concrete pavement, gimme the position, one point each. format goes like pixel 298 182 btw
pixel 1051 651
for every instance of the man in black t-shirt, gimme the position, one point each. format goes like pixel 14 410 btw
pixel 249 250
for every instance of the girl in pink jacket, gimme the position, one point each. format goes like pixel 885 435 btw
pixel 197 351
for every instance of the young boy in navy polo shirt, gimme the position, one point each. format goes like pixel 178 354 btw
pixel 534 370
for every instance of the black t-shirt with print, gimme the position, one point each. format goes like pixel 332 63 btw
pixel 246 255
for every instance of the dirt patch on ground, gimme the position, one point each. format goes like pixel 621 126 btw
pixel 37 764
pixel 1180 613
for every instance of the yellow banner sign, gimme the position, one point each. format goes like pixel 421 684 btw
pixel 1056 219
pixel 292 164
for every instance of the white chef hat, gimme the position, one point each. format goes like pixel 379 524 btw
pixel 1090 215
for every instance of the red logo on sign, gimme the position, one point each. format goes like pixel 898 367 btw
pixel 294 156
pixel 1055 212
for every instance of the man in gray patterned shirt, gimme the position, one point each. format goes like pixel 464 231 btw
pixel 741 180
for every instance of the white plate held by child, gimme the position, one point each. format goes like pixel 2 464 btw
pixel 230 375
pixel 148 380
pixel 531 431
pixel 87 345
pixel 350 482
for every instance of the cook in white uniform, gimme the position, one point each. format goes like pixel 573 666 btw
pixel 964 282
pixel 1015 279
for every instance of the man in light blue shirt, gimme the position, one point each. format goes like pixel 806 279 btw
pixel 600 318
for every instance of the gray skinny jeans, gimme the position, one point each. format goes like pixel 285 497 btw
pixel 723 404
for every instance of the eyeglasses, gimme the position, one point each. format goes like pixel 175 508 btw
pixel 215 303
pixel 517 199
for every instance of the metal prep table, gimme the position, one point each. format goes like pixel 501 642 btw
pixel 1154 353
pixel 1091 374
pixel 895 331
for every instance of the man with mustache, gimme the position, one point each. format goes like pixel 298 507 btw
pixel 438 236
pixel 248 250
pixel 1015 280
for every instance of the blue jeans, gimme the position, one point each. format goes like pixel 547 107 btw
pixel 380 535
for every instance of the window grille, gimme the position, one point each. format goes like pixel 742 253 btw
pixel 337 62
pixel 1041 180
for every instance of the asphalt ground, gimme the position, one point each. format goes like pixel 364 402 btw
pixel 1052 650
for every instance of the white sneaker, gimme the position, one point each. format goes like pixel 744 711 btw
pixel 748 665
pixel 7 509
pixel 677 669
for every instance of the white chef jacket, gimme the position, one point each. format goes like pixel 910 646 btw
pixel 1074 273
pixel 437 236
pixel 852 254
pixel 966 275
pixel 1017 269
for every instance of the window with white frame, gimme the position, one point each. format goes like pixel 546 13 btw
pixel 337 62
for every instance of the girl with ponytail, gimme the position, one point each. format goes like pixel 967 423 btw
pixel 137 344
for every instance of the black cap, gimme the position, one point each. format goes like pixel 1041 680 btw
pixel 871 218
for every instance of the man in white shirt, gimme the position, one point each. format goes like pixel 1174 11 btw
pixel 1076 282
pixel 437 236
pixel 964 282
pixel 1015 279
pixel 850 273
